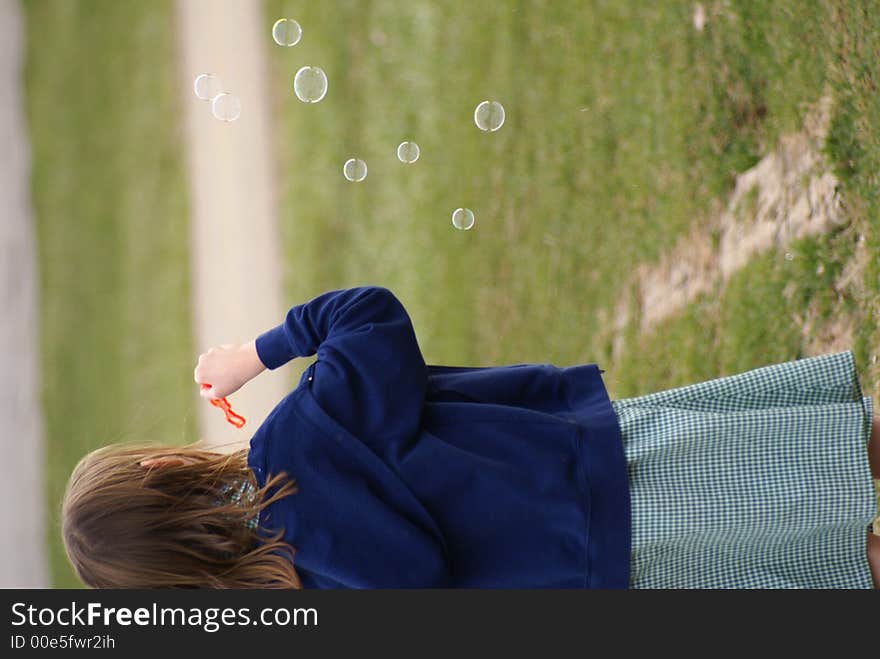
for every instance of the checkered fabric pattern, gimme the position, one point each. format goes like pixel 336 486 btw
pixel 875 527
pixel 756 480
pixel 244 490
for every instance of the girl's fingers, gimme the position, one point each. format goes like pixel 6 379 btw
pixel 200 375
pixel 211 367
pixel 203 374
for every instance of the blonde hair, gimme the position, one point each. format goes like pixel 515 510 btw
pixel 126 525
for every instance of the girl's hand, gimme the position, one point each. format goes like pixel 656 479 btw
pixel 226 368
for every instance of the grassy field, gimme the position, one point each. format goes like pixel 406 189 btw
pixel 751 321
pixel 625 127
pixel 109 198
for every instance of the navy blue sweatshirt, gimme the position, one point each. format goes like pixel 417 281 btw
pixel 417 476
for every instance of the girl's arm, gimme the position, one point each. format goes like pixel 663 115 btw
pixel 370 376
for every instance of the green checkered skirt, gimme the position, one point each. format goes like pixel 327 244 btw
pixel 757 480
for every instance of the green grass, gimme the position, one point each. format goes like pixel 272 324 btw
pixel 625 127
pixel 854 146
pixel 754 320
pixel 110 206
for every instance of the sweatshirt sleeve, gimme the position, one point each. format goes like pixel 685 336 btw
pixel 370 375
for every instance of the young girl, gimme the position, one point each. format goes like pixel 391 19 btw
pixel 379 471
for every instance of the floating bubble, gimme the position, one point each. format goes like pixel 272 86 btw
pixel 207 86
pixel 463 218
pixel 226 106
pixel 286 32
pixel 408 152
pixel 489 116
pixel 310 84
pixel 354 170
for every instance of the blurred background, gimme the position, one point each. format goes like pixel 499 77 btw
pixel 680 191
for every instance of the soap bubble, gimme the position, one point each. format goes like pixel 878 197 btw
pixel 207 86
pixel 354 170
pixel 489 116
pixel 226 106
pixel 463 218
pixel 408 152
pixel 286 32
pixel 310 84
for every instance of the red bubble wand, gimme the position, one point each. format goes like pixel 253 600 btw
pixel 235 419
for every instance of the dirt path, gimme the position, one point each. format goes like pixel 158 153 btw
pixel 23 560
pixel 236 255
pixel 789 194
